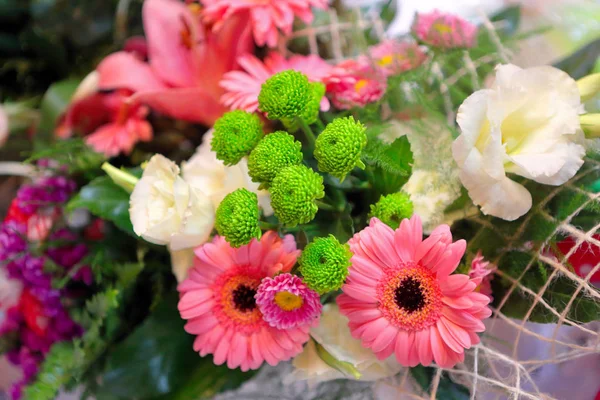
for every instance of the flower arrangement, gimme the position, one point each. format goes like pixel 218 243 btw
pixel 357 218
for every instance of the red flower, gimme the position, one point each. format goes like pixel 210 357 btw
pixel 32 311
pixel 16 214
pixel 585 258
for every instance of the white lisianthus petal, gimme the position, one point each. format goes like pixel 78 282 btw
pixel 334 335
pixel 526 124
pixel 472 116
pixel 501 197
pixel 217 180
pixel 166 210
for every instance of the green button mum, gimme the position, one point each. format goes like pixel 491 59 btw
pixel 392 209
pixel 311 111
pixel 235 134
pixel 273 153
pixel 324 264
pixel 293 194
pixel 285 95
pixel 237 218
pixel 339 146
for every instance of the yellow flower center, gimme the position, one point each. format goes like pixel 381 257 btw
pixel 442 27
pixel 288 301
pixel 360 84
pixel 385 60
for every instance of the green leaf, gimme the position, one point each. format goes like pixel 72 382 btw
pixel 207 380
pixel 103 198
pixel 581 63
pixel 395 158
pixel 156 359
pixel 558 295
pixel 55 102
pixel 74 153
pixel 447 389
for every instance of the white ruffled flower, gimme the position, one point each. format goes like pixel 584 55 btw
pixel 167 210
pixel 334 335
pixel 527 124
pixel 217 180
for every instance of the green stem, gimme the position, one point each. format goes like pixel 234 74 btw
pixel 310 136
pixel 320 125
pixel 325 206
pixel 267 226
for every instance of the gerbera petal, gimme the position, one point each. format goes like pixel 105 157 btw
pixel 403 343
pixel 423 343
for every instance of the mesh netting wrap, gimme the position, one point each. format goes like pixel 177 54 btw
pixel 546 315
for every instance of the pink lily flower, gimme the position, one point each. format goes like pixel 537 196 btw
pixel 186 62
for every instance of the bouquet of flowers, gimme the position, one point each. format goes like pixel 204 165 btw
pixel 357 208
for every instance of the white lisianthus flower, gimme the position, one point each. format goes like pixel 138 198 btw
pixel 167 210
pixel 334 336
pixel 217 180
pixel 527 124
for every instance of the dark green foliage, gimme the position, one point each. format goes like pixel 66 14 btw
pixel 447 389
pixel 104 199
pixel 79 158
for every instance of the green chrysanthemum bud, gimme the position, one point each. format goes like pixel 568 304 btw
pixel 392 209
pixel 273 153
pixel 237 217
pixel 311 111
pixel 338 147
pixel 293 194
pixel 324 264
pixel 236 133
pixel 284 95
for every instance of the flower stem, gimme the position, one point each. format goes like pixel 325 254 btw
pixel 267 226
pixel 310 136
pixel 325 206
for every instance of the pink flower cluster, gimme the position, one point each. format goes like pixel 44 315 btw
pixel 444 30
pixel 401 297
pixel 352 83
pixel 268 18
pixel 240 310
pixel 35 314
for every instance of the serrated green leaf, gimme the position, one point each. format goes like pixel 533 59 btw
pixel 104 199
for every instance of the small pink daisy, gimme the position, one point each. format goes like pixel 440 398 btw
pixel 286 302
pixel 481 273
pixel 242 87
pixel 354 83
pixel 444 30
pixel 393 57
pixel 218 301
pixel 401 299
pixel 269 17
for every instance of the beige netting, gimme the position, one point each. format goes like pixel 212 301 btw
pixel 501 366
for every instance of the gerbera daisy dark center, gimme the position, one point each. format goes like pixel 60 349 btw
pixel 243 298
pixel 409 295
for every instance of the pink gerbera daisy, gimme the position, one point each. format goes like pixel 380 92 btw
pixel 218 301
pixel 481 273
pixel 286 302
pixel 242 87
pixel 269 17
pixel 355 83
pixel 444 30
pixel 400 297
pixel 393 57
